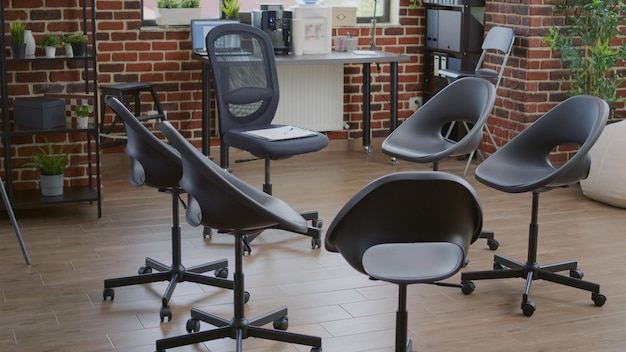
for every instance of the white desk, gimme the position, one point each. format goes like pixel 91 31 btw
pixel 322 59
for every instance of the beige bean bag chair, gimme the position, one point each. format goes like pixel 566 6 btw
pixel 607 178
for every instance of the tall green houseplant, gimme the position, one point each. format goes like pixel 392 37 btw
pixel 591 43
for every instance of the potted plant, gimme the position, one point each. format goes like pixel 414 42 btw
pixel 588 47
pixel 18 46
pixel 230 9
pixel 52 165
pixel 77 43
pixel 82 115
pixel 176 12
pixel 50 43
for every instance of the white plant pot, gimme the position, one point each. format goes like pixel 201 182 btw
pixel 51 185
pixel 176 17
pixel 50 51
pixel 82 121
pixel 68 50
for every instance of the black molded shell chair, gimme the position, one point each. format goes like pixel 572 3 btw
pixel 408 228
pixel 156 164
pixel 245 79
pixel 422 138
pixel 523 165
pixel 219 200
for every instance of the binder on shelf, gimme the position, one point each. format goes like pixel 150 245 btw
pixel 432 27
pixel 443 62
pixel 436 65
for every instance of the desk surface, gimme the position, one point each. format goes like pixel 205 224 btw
pixel 331 58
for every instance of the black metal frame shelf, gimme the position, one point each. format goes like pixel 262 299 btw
pixel 91 192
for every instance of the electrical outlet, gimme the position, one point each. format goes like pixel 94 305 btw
pixel 415 103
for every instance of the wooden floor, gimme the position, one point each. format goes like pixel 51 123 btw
pixel 56 303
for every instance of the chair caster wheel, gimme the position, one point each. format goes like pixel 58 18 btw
pixel 207 233
pixel 108 293
pixel 316 243
pixel 144 270
pixel 193 325
pixel 529 308
pixel 599 299
pixel 493 244
pixel 221 272
pixel 316 349
pixel 166 312
pixel 317 223
pixel 246 297
pixel 281 323
pixel 576 273
pixel 467 287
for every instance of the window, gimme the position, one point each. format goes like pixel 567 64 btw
pixel 211 8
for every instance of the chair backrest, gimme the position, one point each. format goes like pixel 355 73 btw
pixel 468 100
pixel 524 164
pixel 219 200
pixel 245 76
pixel 406 207
pixel 499 40
pixel 153 162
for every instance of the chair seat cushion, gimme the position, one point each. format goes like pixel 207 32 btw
pixel 605 182
pixel 409 263
pixel 281 149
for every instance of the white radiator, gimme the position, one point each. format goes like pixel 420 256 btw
pixel 311 96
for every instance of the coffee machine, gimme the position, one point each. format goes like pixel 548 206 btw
pixel 276 22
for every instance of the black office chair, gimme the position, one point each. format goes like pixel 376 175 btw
pixel 422 138
pixel 219 200
pixel 156 164
pixel 407 228
pixel 498 43
pixel 245 79
pixel 523 165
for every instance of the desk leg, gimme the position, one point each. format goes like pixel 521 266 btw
pixel 206 111
pixel 393 114
pixel 366 108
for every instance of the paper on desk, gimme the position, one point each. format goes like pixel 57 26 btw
pixel 281 133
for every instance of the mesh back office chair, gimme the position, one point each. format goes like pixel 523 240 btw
pixel 156 164
pixel 523 165
pixel 421 138
pixel 499 41
pixel 408 228
pixel 245 79
pixel 219 200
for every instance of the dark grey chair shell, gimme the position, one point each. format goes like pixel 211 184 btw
pixel 524 165
pixel 407 228
pixel 158 165
pixel 219 200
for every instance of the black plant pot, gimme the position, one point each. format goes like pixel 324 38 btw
pixel 19 51
pixel 79 49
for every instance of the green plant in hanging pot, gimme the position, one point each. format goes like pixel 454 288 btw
pixel 51 164
pixel 591 44
pixel 18 46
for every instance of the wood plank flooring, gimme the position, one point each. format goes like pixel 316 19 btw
pixel 56 303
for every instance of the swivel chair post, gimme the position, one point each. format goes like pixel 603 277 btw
pixel 402 317
pixel 531 270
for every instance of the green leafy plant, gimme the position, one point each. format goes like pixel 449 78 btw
pixel 51 162
pixel 588 47
pixel 413 4
pixel 74 38
pixel 17 32
pixel 51 40
pixel 83 110
pixel 230 8
pixel 175 4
